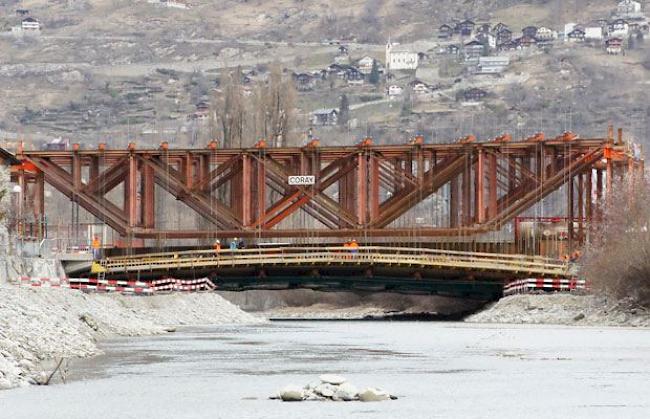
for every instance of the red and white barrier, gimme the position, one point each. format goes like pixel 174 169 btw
pixel 122 286
pixel 106 288
pixel 141 287
pixel 44 282
pixel 112 282
pixel 524 286
pixel 171 284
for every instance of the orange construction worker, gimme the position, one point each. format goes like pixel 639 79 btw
pixel 346 245
pixel 354 247
pixel 217 246
pixel 97 246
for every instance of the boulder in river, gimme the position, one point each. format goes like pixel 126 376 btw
pixel 334 388
pixel 372 394
pixel 325 389
pixel 292 394
pixel 346 392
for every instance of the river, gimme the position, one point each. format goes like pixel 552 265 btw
pixel 445 370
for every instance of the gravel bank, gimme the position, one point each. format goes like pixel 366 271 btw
pixel 308 304
pixel 38 325
pixel 563 309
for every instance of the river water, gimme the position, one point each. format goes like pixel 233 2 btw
pixel 445 370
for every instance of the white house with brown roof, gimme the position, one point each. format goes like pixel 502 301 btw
pixel 30 24
pixel 618 28
pixel 576 35
pixel 419 87
pixel 325 116
pixel 545 34
pixel 365 64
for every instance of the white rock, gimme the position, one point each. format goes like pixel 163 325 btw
pixel 314 396
pixel 332 379
pixel 5 384
pixel 371 394
pixel 325 390
pixel 26 364
pixel 41 377
pixel 346 391
pixel 292 393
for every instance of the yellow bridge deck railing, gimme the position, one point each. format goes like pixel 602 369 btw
pixel 370 255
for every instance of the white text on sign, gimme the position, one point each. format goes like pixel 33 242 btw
pixel 302 180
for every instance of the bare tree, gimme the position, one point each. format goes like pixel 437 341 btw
pixel 268 113
pixel 617 260
pixel 228 110
pixel 276 108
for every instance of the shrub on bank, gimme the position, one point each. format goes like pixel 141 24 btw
pixel 617 258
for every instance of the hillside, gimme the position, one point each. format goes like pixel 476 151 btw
pixel 136 71
pixel 296 20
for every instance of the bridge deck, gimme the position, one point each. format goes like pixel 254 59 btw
pixel 482 264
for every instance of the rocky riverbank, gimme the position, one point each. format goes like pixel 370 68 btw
pixel 562 309
pixel 41 325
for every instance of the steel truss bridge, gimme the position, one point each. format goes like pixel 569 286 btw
pixel 366 191
pixel 358 191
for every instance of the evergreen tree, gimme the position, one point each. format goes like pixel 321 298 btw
pixel 374 73
pixel 344 111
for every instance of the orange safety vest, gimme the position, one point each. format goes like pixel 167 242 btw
pixel 97 243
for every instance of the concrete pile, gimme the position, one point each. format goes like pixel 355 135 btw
pixel 332 387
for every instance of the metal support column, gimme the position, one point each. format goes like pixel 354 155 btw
pixel 589 197
pixel 453 202
pixel 246 198
pixel 148 198
pixel 581 202
pixel 76 171
pixel 479 188
pixel 466 191
pixel 131 192
pixel 570 213
pixel 260 189
pixel 362 188
pixel 610 177
pixel 492 185
pixel 374 188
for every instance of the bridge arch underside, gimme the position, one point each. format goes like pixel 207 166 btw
pixel 403 280
pixel 378 193
pixel 359 278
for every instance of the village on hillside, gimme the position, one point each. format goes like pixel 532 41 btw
pixel 344 87
pixel 467 54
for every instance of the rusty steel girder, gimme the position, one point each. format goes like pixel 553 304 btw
pixel 361 190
